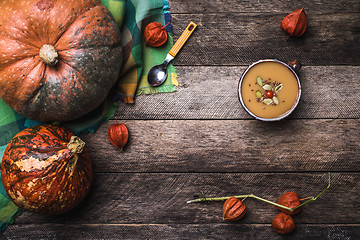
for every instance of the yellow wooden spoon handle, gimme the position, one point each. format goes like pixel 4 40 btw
pixel 182 39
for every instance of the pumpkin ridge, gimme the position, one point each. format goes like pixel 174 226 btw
pixel 69 26
pixel 79 71
pixel 24 141
pixel 21 57
pixel 43 138
pixel 29 140
pixel 105 15
pixel 36 93
pixel 55 131
pixel 38 150
pixel 34 174
pixel 33 96
pixel 95 47
pixel 67 62
pixel 21 92
pixel 51 173
pixel 22 40
pixel 29 194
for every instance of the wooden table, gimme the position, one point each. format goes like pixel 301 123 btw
pixel 199 140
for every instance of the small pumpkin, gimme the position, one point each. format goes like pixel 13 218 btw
pixel 46 169
pixel 58 59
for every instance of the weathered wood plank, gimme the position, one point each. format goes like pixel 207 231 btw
pixel 270 6
pixel 156 198
pixel 230 146
pixel 211 93
pixel 242 38
pixel 177 231
pixel 141 193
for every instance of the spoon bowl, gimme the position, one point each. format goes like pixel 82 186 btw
pixel 158 73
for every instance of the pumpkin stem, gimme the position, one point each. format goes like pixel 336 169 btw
pixel 76 145
pixel 49 55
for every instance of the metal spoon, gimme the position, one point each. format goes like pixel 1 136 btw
pixel 158 74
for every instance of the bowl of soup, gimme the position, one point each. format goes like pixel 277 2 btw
pixel 269 89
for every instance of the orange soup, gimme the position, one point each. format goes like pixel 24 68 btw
pixel 269 89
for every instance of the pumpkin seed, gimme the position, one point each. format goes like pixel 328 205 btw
pixel 267 101
pixel 267 87
pixel 258 94
pixel 278 87
pixel 275 100
pixel 259 81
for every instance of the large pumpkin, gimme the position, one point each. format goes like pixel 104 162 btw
pixel 58 58
pixel 46 169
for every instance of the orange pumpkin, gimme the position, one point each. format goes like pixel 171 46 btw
pixel 58 59
pixel 46 169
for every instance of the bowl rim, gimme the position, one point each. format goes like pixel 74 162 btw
pixel 281 116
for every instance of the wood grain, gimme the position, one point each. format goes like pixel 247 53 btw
pixel 277 6
pixel 243 38
pixel 229 146
pixel 177 231
pixel 211 93
pixel 160 198
pixel 199 140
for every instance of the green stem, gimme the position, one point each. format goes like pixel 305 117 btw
pixel 204 199
pixel 275 204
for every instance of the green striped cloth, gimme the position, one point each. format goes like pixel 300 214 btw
pixel 132 16
pixel 138 57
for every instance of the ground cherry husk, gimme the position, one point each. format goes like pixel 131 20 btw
pixel 295 23
pixel 233 209
pixel 283 223
pixel 118 135
pixel 291 200
pixel 155 34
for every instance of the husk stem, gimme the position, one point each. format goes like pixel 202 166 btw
pixel 165 25
pixel 205 199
